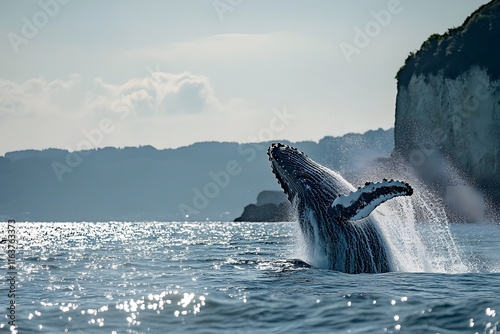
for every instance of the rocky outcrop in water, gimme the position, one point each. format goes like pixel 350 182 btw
pixel 272 206
pixel 448 100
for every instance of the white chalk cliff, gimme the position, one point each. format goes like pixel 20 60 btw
pixel 460 116
pixel 449 98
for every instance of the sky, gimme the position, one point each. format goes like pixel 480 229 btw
pixel 80 74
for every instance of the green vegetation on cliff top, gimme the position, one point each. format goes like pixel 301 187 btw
pixel 475 43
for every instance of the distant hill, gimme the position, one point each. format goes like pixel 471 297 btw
pixel 203 181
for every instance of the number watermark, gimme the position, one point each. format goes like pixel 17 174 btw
pixel 11 277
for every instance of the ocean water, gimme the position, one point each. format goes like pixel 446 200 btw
pixel 225 277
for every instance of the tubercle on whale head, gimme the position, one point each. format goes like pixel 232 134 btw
pixel 285 157
pixel 278 168
pixel 275 147
pixel 295 172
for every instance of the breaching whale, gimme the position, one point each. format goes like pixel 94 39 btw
pixel 333 215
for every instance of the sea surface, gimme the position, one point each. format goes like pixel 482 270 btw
pixel 225 277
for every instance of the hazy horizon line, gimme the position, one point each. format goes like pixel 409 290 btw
pixel 3 154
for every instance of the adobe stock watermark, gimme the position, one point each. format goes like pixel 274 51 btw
pixel 154 76
pixel 31 26
pixel 11 277
pixel 363 36
pixel 221 7
pixel 219 180
pixel 94 137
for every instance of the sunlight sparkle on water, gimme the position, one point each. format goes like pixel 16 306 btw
pixel 139 277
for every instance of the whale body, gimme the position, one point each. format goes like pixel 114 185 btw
pixel 333 215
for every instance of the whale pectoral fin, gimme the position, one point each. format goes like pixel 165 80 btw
pixel 359 204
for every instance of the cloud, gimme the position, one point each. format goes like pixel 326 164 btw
pixel 35 96
pixel 190 96
pixel 160 93
pixel 163 109
pixel 160 109
pixel 231 48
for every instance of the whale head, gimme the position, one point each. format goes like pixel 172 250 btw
pixel 303 179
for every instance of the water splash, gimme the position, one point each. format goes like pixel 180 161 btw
pixel 416 230
pixel 302 250
pixel 418 235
